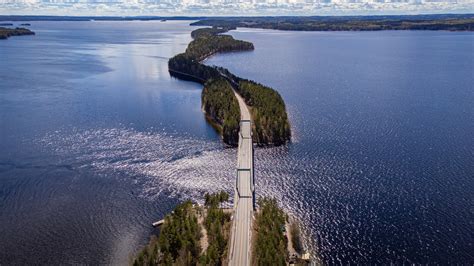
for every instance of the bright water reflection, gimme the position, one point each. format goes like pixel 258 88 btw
pixel 381 167
pixel 98 141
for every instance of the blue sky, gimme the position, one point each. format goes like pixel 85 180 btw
pixel 232 7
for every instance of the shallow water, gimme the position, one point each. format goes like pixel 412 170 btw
pixel 98 141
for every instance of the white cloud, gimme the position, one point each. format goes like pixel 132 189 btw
pixel 232 7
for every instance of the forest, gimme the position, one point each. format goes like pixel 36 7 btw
pixel 451 22
pixel 268 111
pixel 207 45
pixel 5 33
pixel 178 242
pixel 209 31
pixel 206 42
pixel 183 67
pixel 217 224
pixel 271 126
pixel 271 245
pixel 222 108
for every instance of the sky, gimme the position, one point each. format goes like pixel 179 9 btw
pixel 231 7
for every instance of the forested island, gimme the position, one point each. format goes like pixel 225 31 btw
pixel 450 22
pixel 270 120
pixel 199 235
pixel 221 107
pixel 206 42
pixel 5 33
pixel 191 235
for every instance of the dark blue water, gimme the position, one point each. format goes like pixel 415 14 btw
pixel 381 169
pixel 97 140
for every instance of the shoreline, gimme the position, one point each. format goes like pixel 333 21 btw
pixel 271 127
pixel 6 33
pixel 286 227
pixel 446 22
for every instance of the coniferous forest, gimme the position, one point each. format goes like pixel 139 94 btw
pixel 5 33
pixel 271 125
pixel 222 108
pixel 451 22
pixel 271 244
pixel 179 240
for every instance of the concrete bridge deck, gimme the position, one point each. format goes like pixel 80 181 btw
pixel 243 202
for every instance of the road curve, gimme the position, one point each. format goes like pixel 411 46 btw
pixel 243 202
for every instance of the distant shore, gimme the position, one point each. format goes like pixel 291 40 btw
pixel 349 23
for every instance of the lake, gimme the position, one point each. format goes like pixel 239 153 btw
pixel 98 141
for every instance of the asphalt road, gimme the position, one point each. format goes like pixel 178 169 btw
pixel 241 231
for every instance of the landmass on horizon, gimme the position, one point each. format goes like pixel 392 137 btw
pixel 322 167
pixel 451 22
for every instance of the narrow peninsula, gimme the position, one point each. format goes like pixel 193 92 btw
pixel 271 125
pixel 5 33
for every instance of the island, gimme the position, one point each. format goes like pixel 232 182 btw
pixel 5 33
pixel 222 109
pixel 270 120
pixel 191 235
pixel 194 234
pixel 449 22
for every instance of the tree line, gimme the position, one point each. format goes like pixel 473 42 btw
pixel 221 107
pixel 268 110
pixel 7 32
pixel 271 245
pixel 271 125
pixel 178 242
pixel 451 22
pixel 218 225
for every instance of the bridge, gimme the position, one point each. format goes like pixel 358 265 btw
pixel 240 246
pixel 244 196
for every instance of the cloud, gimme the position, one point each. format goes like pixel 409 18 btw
pixel 232 7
